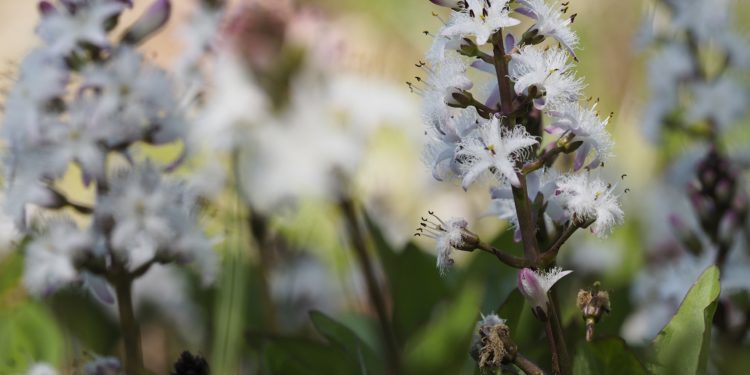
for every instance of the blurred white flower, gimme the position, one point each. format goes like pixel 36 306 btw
pixel 585 123
pixel 548 71
pixel 42 369
pixel 493 149
pixel 480 18
pixel 704 19
pixel 550 22
pixel 136 100
pixel 50 262
pixel 65 26
pixel 153 218
pixel 587 198
pixel 722 101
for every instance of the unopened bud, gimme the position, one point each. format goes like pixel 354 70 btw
pixel 593 304
pixel 150 22
pixel 532 37
pixel 468 48
pixel 458 98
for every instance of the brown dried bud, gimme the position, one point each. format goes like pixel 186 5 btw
pixel 493 346
pixel 593 304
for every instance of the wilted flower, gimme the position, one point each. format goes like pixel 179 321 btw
pixel 492 346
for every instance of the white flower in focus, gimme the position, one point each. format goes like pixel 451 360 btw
pixel 481 18
pixel 585 123
pixel 540 182
pixel 586 198
pixel 444 79
pixel 65 26
pixel 534 285
pixel 547 70
pixel 50 258
pixel 42 369
pixel 445 134
pixel 550 22
pixel 447 235
pixel 494 149
pixel 722 101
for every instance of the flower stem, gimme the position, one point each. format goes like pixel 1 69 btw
pixel 357 238
pixel 562 349
pixel 552 346
pixel 507 259
pixel 130 331
pixel 530 368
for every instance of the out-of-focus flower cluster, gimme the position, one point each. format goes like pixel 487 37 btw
pixel 88 100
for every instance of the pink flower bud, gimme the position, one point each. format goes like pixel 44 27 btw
pixel 535 285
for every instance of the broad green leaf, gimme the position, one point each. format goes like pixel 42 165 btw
pixel 348 341
pixel 682 346
pixel 292 356
pixel 28 334
pixel 606 356
pixel 444 343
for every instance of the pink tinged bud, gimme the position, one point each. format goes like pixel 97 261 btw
pixel 150 22
pixel 46 8
pixel 534 286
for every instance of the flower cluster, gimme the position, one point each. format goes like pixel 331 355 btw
pixel 83 100
pixel 495 137
pixel 694 96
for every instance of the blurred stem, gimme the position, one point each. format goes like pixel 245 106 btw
pixel 530 368
pixel 552 347
pixel 562 349
pixel 257 237
pixel 130 331
pixel 357 238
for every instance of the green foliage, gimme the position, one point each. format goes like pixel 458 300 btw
pixel 682 347
pixel 28 334
pixel 606 356
pixel 348 341
pixel 442 347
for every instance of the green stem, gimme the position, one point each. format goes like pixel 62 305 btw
pixel 357 238
pixel 130 331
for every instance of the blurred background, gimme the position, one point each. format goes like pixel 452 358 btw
pixel 260 302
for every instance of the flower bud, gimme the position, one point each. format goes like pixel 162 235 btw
pixel 532 37
pixel 459 98
pixel 593 304
pixel 535 285
pixel 151 21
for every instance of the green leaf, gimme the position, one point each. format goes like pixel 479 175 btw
pixel 682 346
pixel 606 356
pixel 444 343
pixel 28 334
pixel 348 341
pixel 291 356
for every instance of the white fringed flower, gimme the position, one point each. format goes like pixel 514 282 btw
pixel 493 149
pixel 51 257
pixel 585 123
pixel 534 285
pixel 448 235
pixel 445 134
pixel 586 198
pixel 480 18
pixel 549 71
pixel 550 22
pixel 443 80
